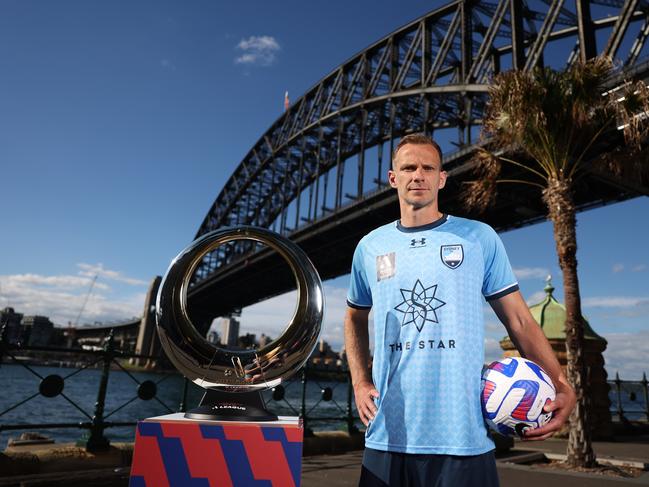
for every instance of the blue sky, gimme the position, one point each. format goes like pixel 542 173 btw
pixel 121 121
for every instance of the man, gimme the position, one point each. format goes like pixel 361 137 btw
pixel 424 277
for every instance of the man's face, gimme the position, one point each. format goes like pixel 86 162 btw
pixel 417 175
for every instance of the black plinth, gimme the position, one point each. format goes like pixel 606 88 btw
pixel 230 406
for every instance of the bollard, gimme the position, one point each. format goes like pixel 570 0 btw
pixel 182 407
pixel 307 430
pixel 646 394
pixel 351 427
pixel 3 332
pixel 618 389
pixel 97 441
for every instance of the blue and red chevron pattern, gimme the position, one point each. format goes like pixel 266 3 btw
pixel 216 454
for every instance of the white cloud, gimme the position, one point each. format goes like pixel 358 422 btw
pixel 615 302
pixel 246 59
pixel 636 268
pixel 492 350
pixel 627 354
pixel 531 272
pixel 536 298
pixel 268 317
pixel 59 282
pixel 62 297
pixel 259 42
pixel 492 326
pixel 91 270
pixel 271 316
pixel 258 50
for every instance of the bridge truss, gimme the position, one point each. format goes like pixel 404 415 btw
pixel 323 163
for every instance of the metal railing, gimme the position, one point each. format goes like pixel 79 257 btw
pixel 295 397
pixel 317 396
pixel 626 402
pixel 337 411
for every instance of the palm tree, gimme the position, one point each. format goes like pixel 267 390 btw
pixel 552 127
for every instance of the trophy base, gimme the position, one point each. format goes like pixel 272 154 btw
pixel 224 406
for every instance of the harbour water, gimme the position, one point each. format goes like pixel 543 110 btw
pixel 18 383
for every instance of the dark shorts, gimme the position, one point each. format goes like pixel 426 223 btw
pixel 391 469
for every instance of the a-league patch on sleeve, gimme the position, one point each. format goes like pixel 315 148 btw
pixel 386 266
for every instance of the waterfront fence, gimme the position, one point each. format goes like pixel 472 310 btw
pixel 317 396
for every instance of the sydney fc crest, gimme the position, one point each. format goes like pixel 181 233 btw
pixel 452 255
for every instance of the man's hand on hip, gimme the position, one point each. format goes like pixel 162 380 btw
pixel 364 394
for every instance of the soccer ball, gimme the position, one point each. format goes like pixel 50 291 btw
pixel 514 392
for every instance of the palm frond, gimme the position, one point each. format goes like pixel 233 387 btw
pixel 481 193
pixel 560 120
pixel 520 181
pixel 522 166
pixel 633 111
pixel 555 117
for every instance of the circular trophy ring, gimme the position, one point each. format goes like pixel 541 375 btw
pixel 218 368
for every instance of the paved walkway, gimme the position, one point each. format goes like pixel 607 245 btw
pixel 344 470
pixel 633 448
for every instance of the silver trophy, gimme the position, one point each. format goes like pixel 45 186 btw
pixel 234 379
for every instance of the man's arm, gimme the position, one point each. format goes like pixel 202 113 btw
pixel 532 344
pixel 357 349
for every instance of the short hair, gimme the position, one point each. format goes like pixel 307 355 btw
pixel 418 138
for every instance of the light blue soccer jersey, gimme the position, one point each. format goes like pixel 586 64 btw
pixel 425 286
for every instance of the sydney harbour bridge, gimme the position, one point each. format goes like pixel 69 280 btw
pixel 318 174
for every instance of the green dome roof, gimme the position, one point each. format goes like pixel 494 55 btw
pixel 551 315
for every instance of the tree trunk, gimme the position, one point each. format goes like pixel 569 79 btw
pixel 561 212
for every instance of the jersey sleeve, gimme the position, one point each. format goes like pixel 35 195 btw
pixel 359 295
pixel 499 279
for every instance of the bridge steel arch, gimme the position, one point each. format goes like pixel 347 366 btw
pixel 318 173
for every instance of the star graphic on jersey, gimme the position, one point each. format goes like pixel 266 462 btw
pixel 419 305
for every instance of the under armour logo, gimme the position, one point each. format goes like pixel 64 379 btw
pixel 418 243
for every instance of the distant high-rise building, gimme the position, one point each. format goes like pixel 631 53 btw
pixel 38 330
pixel 13 330
pixel 264 340
pixel 324 347
pixel 323 355
pixel 230 331
pixel 342 358
pixel 247 341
